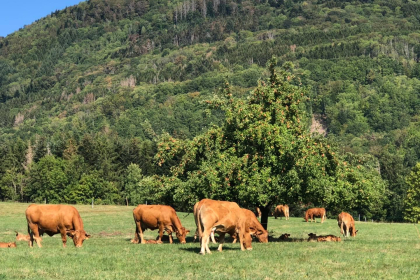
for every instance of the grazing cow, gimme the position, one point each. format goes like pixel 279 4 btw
pixel 328 238
pixel 281 209
pixel 255 228
pixel 284 236
pixel 22 237
pixel 54 219
pixel 160 217
pixel 7 244
pixel 315 212
pixel 221 217
pixel 346 224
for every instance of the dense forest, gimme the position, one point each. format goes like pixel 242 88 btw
pixel 113 99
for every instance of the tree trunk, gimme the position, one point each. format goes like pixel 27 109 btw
pixel 265 212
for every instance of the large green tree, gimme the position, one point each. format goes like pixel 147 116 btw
pixel 264 154
pixel 412 200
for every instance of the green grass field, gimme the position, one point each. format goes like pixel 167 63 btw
pixel 380 251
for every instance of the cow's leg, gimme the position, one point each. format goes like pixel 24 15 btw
pixel 170 238
pixel 35 235
pixel 161 230
pixel 205 239
pixel 212 236
pixel 241 238
pixel 235 238
pixel 139 232
pixel 31 237
pixel 136 238
pixel 221 241
pixel 341 228
pixel 138 235
pixel 63 237
pixel 196 235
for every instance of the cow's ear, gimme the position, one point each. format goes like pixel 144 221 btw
pixel 187 231
pixel 87 235
pixel 70 233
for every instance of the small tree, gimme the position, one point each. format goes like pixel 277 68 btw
pixel 412 200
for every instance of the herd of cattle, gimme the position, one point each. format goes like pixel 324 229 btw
pixel 211 216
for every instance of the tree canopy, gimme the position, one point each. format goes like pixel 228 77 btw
pixel 264 154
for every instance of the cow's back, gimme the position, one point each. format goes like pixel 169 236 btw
pixel 345 217
pixel 50 217
pixel 211 212
pixel 151 215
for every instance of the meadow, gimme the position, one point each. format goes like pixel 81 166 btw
pixel 380 251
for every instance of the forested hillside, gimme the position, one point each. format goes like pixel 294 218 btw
pixel 89 92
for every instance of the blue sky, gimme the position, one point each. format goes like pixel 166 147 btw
pixel 14 14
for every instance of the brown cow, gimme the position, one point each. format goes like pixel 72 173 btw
pixel 160 217
pixel 255 228
pixel 221 217
pixel 328 238
pixel 312 237
pixel 284 236
pixel 322 238
pixel 7 244
pixel 22 237
pixel 54 219
pixel 281 209
pixel 315 212
pixel 346 224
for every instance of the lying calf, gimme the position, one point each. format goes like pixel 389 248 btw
pixel 7 245
pixel 312 237
pixel 328 238
pixel 22 237
pixel 322 238
pixel 284 236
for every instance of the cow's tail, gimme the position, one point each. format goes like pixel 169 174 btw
pixel 199 225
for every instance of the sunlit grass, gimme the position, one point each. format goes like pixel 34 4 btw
pixel 380 251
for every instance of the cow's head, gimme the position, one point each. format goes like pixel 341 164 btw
pixel 78 236
pixel 22 237
pixel 181 234
pixel 312 237
pixel 353 232
pixel 262 236
pixel 247 242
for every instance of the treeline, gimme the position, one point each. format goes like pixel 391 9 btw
pixel 128 72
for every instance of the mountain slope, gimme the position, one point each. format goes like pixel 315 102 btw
pixel 129 70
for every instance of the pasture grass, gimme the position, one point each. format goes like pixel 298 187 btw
pixel 380 251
